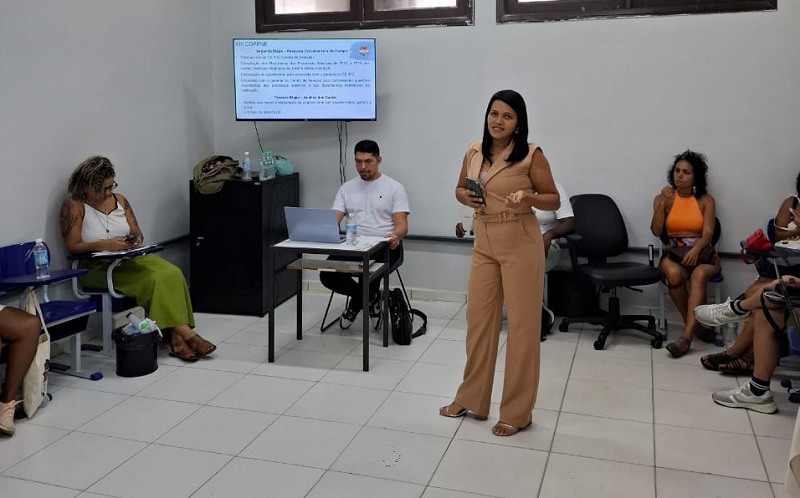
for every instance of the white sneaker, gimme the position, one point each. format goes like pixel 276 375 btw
pixel 7 417
pixel 742 397
pixel 714 315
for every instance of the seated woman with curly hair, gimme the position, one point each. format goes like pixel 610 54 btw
pixel 94 218
pixel 687 212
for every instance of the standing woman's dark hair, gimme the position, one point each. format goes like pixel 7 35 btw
pixel 797 185
pixel 516 102
pixel 699 168
pixel 89 175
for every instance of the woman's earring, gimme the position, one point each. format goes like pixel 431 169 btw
pixel 694 189
pixel 516 132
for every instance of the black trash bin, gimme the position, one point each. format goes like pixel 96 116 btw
pixel 137 355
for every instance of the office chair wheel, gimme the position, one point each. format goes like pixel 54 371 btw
pixel 657 343
pixel 563 326
pixel 598 344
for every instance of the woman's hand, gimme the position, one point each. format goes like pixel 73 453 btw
pixel 468 198
pixel 460 232
pixel 666 197
pixel 690 259
pixel 517 199
pixel 116 244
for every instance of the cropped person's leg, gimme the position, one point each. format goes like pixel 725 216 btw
pixel 484 313
pixel 739 357
pixel 675 278
pixel 756 394
pixel 521 262
pixel 698 285
pixel 21 329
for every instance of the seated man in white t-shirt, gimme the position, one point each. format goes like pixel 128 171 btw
pixel 381 208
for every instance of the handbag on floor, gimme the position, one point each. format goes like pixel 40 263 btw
pixel 34 384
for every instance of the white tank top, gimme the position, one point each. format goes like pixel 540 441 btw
pixel 98 225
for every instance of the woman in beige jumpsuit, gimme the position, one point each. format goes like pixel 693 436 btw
pixel 507 261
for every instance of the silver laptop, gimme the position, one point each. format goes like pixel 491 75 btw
pixel 312 225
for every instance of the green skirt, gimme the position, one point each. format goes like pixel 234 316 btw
pixel 157 286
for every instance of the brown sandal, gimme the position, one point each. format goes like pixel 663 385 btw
pixel 182 350
pixel 454 411
pixel 737 366
pixel 200 346
pixel 714 361
pixel 679 347
pixel 503 429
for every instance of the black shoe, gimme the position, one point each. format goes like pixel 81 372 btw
pixel 375 315
pixel 349 316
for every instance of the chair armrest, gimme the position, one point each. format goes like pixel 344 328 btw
pixel 572 242
pixel 116 259
pixel 30 280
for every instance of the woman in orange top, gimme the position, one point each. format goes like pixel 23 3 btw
pixel 686 211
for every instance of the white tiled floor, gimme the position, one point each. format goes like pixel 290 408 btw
pixel 624 422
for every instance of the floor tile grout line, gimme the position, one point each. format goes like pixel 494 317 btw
pixel 558 416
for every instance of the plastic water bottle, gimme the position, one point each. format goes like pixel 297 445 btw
pixel 351 229
pixel 41 259
pixel 267 171
pixel 247 167
pixel 137 323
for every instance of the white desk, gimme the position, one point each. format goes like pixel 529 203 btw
pixel 366 248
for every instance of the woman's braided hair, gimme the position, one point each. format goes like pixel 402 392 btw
pixel 89 175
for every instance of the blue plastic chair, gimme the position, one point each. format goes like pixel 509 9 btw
pixel 64 319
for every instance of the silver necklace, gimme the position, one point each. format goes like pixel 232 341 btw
pixel 97 213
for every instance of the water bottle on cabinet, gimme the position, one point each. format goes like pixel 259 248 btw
pixel 267 171
pixel 41 259
pixel 247 167
pixel 351 229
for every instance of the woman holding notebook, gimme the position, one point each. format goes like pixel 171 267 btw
pixel 501 178
pixel 94 218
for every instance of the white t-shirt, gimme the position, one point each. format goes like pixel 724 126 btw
pixel 549 219
pixel 373 202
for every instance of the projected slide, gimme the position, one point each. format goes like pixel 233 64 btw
pixel 321 79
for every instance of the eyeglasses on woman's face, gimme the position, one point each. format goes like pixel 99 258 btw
pixel 108 188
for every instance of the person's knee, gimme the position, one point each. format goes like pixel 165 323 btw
pixel 674 276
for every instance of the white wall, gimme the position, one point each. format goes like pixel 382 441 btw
pixel 129 80
pixel 611 102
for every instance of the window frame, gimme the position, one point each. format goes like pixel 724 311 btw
pixel 362 15
pixel 509 11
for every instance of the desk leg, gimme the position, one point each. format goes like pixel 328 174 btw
pixel 365 309
pixel 271 306
pixel 385 307
pixel 299 303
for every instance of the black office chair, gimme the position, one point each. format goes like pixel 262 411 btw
pixel 599 234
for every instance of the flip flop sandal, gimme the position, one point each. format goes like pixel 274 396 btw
pixel 509 430
pixel 445 412
pixel 713 361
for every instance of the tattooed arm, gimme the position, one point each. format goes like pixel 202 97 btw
pixel 136 237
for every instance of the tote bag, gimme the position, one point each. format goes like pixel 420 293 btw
pixel 34 384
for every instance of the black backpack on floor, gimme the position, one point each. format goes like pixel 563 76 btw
pixel 402 319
